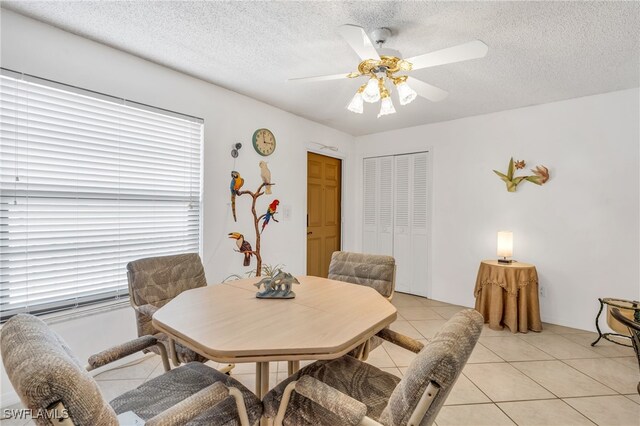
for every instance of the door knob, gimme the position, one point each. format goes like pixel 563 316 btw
pixel 309 233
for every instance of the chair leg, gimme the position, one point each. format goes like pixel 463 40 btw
pixel 163 356
pixel 227 369
pixel 242 409
pixel 174 353
pixel 424 404
pixel 284 402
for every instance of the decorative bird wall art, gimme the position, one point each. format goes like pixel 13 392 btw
pixel 236 184
pixel 271 211
pixel 540 175
pixel 243 247
pixel 265 173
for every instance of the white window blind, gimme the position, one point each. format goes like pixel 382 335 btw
pixel 87 184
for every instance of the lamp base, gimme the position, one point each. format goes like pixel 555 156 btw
pixel 505 260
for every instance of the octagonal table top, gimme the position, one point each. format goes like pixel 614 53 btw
pixel 227 323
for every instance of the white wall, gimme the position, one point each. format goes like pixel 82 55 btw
pixel 580 229
pixel 35 48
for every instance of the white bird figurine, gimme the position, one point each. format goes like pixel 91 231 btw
pixel 266 176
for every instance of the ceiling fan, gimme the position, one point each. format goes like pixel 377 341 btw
pixel 381 65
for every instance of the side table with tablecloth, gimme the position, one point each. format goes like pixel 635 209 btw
pixel 507 294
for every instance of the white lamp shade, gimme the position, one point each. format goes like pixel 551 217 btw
pixel 405 93
pixel 371 93
pixel 505 243
pixel 386 107
pixel 356 105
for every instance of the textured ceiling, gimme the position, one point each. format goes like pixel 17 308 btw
pixel 538 51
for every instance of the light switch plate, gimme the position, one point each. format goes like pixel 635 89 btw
pixel 286 212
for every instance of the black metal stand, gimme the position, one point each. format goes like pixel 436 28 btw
pixel 605 336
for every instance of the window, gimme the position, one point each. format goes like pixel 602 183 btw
pixel 87 184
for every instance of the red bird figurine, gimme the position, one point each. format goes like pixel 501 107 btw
pixel 271 211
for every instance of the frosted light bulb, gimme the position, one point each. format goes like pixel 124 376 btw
pixel 386 107
pixel 406 93
pixel 372 91
pixel 356 104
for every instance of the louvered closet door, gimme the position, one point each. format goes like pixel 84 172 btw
pixel 420 219
pixel 385 206
pixel 402 225
pixel 370 213
pixel 411 223
pixel 396 216
pixel 378 206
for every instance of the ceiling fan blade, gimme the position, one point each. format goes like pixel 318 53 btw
pixel 318 78
pixel 426 90
pixel 359 41
pixel 462 52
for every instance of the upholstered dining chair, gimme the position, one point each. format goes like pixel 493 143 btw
pixel 634 332
pixel 372 270
pixel 51 382
pixel 155 281
pixel 347 391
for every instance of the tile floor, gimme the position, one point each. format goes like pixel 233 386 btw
pixel 550 378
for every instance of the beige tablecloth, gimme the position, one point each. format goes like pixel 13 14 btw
pixel 507 294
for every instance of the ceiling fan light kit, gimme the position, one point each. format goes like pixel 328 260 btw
pixel 371 92
pixel 382 68
pixel 357 103
pixel 405 93
pixel 386 106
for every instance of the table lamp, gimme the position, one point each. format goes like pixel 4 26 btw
pixel 505 246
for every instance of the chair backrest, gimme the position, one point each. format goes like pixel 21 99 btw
pixel 372 270
pixel 157 280
pixel 439 363
pixel 44 373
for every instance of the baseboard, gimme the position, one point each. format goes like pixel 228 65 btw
pixel 567 323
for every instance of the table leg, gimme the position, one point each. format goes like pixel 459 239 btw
pixel 262 385
pixel 293 367
pixel 258 379
pixel 262 378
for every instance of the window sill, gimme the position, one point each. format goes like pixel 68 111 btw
pixel 85 311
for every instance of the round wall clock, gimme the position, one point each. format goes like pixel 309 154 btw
pixel 264 142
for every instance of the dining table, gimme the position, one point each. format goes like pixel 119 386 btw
pixel 227 323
